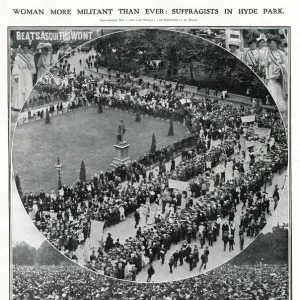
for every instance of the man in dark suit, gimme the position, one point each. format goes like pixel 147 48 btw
pixel 150 272
pixel 181 256
pixel 109 243
pixel 176 258
pixel 204 260
pixel 137 218
pixel 162 254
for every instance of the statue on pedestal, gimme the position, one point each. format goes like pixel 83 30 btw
pixel 121 132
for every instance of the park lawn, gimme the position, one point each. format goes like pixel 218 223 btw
pixel 81 135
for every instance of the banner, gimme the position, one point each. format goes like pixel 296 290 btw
pixel 143 92
pixel 248 119
pixel 179 185
pixel 185 101
pixel 97 228
pixel 263 132
pixel 208 165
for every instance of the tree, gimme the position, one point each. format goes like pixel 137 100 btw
pixel 138 117
pixel 47 120
pixel 153 144
pixel 195 58
pixel 48 255
pixel 100 109
pixel 271 247
pixel 171 128
pixel 18 185
pixel 23 254
pixel 82 175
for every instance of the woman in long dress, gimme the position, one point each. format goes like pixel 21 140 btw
pixel 211 185
pixel 236 173
pixel 23 69
pixel 152 214
pixel 143 210
pixel 236 149
pixel 263 51
pixel 276 74
pixel 145 259
pixel 167 211
pixel 45 60
pixel 127 269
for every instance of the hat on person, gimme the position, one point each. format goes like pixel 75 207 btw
pixel 44 45
pixel 261 37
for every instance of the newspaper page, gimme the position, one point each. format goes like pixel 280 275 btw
pixel 149 149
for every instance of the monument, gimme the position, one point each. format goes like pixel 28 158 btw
pixel 121 148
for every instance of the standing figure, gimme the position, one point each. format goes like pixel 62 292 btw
pixel 276 74
pixel 45 60
pixel 263 51
pixel 121 131
pixel 150 272
pixel 252 56
pixel 23 69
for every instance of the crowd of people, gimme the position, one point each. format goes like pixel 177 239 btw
pixel 216 128
pixel 260 281
pixel 160 99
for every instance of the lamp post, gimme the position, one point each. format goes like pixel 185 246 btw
pixel 58 167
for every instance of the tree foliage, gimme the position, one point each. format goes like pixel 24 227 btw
pixel 100 109
pixel 153 144
pixel 46 254
pixel 47 120
pixel 23 254
pixel 82 175
pixel 269 248
pixel 138 117
pixel 189 54
pixel 18 185
pixel 171 128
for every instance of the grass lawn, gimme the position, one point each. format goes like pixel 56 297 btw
pixel 80 135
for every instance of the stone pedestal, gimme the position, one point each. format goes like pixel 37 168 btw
pixel 122 157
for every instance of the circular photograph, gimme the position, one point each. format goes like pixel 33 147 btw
pixel 150 155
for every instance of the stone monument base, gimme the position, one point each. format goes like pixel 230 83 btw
pixel 122 157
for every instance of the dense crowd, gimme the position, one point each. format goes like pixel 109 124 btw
pixel 179 219
pixel 259 282
pixel 65 216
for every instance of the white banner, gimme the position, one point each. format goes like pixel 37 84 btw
pixel 143 92
pixel 248 119
pixel 179 185
pixel 263 132
pixel 97 228
pixel 208 165
pixel 184 101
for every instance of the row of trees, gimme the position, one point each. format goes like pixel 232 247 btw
pixel 186 53
pixel 23 255
pixel 271 247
